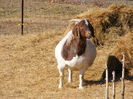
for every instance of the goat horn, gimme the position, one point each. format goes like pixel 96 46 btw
pixel 75 20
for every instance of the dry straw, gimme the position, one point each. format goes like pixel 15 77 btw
pixel 125 44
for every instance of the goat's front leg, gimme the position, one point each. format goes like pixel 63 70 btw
pixel 81 75
pixel 69 75
pixel 61 72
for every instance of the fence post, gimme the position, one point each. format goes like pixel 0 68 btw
pixel 107 85
pixel 113 81
pixel 122 78
pixel 22 17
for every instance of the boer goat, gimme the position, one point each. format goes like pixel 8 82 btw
pixel 76 51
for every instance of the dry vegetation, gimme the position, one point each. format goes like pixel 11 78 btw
pixel 27 63
pixel 124 45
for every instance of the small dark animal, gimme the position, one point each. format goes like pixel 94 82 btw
pixel 113 64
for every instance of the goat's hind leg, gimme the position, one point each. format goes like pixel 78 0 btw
pixel 61 72
pixel 69 75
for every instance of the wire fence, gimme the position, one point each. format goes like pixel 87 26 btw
pixel 103 2
pixel 37 15
pixel 10 17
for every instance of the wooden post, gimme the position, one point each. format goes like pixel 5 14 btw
pixel 107 85
pixel 113 87
pixel 122 78
pixel 22 17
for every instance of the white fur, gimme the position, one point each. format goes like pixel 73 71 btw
pixel 86 22
pixel 80 63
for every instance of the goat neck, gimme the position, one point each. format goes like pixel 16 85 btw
pixel 73 46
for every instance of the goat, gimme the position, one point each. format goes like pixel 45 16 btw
pixel 76 51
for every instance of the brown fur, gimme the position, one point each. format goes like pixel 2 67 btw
pixel 76 44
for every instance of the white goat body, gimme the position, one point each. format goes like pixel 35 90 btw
pixel 80 63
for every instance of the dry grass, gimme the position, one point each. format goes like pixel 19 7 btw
pixel 28 67
pixel 28 70
pixel 39 16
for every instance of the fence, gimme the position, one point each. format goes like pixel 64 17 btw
pixel 9 16
pixel 113 82
pixel 35 19
pixel 36 15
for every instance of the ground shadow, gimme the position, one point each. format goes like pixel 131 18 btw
pixel 113 64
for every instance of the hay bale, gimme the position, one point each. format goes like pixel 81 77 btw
pixel 110 22
pixel 125 45
pixel 114 61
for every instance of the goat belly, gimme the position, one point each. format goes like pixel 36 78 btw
pixel 76 63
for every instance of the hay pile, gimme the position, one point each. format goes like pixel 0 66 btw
pixel 114 62
pixel 110 23
pixel 125 45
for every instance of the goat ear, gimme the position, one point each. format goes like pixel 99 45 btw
pixel 76 31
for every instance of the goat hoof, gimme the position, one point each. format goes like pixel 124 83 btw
pixel 60 87
pixel 81 87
